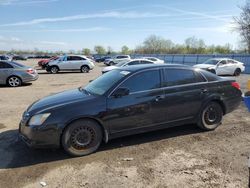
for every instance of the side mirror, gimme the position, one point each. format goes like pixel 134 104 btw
pixel 120 92
pixel 90 81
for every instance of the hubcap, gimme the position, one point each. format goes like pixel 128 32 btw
pixel 211 115
pixel 54 70
pixel 14 81
pixel 82 137
pixel 85 69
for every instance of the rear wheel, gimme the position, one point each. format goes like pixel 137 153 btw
pixel 82 137
pixel 237 72
pixel 54 69
pixel 210 116
pixel 14 81
pixel 84 69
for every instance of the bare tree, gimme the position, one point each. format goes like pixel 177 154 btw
pixel 243 22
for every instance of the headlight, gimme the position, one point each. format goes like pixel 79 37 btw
pixel 38 119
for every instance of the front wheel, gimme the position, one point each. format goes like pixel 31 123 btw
pixel 111 63
pixel 82 137
pixel 237 72
pixel 210 117
pixel 54 70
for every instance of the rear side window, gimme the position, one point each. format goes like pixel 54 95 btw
pixel 175 77
pixel 143 81
pixel 146 62
pixel 134 63
pixel 4 65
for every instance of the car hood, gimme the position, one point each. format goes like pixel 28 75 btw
pixel 106 69
pixel 59 99
pixel 204 66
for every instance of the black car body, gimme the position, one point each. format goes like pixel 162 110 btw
pixel 135 99
pixel 102 59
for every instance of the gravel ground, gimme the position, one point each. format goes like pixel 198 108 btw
pixel 177 157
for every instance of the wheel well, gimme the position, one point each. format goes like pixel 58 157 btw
pixel 104 131
pixel 221 104
pixel 15 76
pixel 85 66
pixel 55 66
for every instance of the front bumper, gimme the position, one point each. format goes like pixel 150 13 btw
pixel 43 136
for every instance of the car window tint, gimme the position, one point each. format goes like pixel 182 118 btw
pixel 134 63
pixel 174 77
pixel 210 76
pixel 199 77
pixel 143 81
pixel 4 65
pixel 223 62
pixel 146 62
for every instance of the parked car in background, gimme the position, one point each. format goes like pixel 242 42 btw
pixel 102 59
pixel 126 101
pixel 4 58
pixel 70 63
pixel 154 59
pixel 43 63
pixel 222 66
pixel 128 63
pixel 19 57
pixel 117 59
pixel 14 74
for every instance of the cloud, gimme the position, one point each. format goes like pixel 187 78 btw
pixel 23 2
pixel 8 43
pixel 112 14
pixel 91 29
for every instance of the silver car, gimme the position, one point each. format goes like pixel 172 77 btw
pixel 14 74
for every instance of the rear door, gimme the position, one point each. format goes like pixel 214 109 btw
pixel 142 107
pixel 184 93
pixel 5 71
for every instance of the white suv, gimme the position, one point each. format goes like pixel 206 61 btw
pixel 70 63
pixel 117 59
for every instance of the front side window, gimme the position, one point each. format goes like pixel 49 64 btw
pixel 175 77
pixel 143 81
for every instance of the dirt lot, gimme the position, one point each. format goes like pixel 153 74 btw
pixel 176 157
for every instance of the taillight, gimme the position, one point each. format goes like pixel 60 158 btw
pixel 30 71
pixel 236 85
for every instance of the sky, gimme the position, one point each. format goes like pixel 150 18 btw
pixel 76 24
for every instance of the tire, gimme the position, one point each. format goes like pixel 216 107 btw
pixel 54 69
pixel 210 116
pixel 111 63
pixel 84 69
pixel 14 81
pixel 82 137
pixel 237 72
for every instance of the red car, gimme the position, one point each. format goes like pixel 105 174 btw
pixel 43 63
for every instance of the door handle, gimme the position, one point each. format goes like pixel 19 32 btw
pixel 204 90
pixel 159 98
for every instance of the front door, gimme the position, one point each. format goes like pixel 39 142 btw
pixel 141 108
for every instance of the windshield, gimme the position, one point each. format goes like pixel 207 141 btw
pixel 103 83
pixel 211 62
pixel 17 64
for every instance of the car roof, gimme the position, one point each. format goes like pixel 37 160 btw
pixel 221 58
pixel 136 68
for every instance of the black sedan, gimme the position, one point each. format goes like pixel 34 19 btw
pixel 127 101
